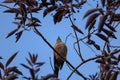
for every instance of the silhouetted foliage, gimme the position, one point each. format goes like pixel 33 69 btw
pixel 102 22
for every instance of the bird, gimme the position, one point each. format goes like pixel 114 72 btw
pixel 61 48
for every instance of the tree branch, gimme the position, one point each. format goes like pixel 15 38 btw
pixel 79 52
pixel 85 61
pixel 39 34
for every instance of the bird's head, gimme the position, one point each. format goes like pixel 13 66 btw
pixel 58 39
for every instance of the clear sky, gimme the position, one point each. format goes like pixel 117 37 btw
pixel 31 42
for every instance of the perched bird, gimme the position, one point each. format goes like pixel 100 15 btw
pixel 61 48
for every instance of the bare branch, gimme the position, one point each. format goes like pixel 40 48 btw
pixel 85 61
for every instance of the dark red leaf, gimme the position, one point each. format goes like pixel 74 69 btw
pixel 91 25
pixel 17 71
pixel 37 70
pixel 115 51
pixel 109 33
pixel 39 64
pixel 18 35
pixel 29 62
pixel 1 66
pixel 10 69
pixel 58 16
pixel 102 37
pixel 32 73
pixel 8 1
pixel 110 27
pixel 12 10
pixel 101 22
pixel 11 33
pixel 25 66
pixel 100 61
pixel 77 29
pixel 103 2
pixel 35 19
pixel 97 46
pixel 23 10
pixel 34 58
pixel 91 11
pixel 48 10
pixel 30 56
pixel 90 42
pixel 33 24
pixel 11 59
pixel 34 10
pixel 91 19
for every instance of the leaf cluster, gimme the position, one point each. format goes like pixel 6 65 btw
pixel 12 73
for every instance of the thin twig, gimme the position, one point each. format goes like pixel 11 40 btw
pixel 67 37
pixel 51 64
pixel 85 61
pixel 77 40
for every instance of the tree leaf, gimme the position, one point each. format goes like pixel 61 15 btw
pixel 37 70
pixel 32 73
pixel 102 37
pixel 29 62
pixel 115 51
pixel 91 25
pixel 110 27
pixel 91 11
pixel 48 10
pixel 11 59
pixel 109 33
pixel 35 19
pixel 100 61
pixel 11 33
pixel 18 35
pixel 8 1
pixel 77 29
pixel 30 56
pixel 1 66
pixel 34 58
pixel 103 2
pixel 12 10
pixel 39 64
pixel 58 16
pixel 25 66
pixel 97 46
pixel 17 71
pixel 91 19
pixel 101 23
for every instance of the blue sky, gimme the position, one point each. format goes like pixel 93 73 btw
pixel 30 42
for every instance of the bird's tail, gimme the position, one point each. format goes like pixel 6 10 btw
pixel 56 71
